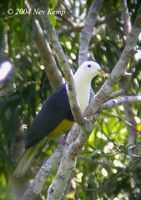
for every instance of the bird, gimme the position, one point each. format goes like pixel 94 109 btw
pixel 55 116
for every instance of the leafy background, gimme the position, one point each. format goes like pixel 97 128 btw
pixel 105 169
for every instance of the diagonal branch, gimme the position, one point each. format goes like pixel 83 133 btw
pixel 120 100
pixel 46 54
pixel 86 33
pixel 50 165
pixel 53 72
pixel 37 184
pixel 66 69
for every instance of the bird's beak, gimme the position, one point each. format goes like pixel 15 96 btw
pixel 101 73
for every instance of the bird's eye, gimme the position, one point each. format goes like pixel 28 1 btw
pixel 89 65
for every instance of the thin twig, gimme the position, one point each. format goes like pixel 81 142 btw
pixel 98 162
pixel 120 100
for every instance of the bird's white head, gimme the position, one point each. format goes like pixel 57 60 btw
pixel 88 70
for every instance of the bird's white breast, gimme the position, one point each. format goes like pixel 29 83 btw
pixel 83 94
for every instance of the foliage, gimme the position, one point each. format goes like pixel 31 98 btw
pixel 105 169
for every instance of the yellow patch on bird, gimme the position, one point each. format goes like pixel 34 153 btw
pixel 61 128
pixel 138 127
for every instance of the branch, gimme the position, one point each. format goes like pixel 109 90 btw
pixel 53 73
pixel 132 134
pixel 66 69
pixel 98 162
pixel 120 100
pixel 48 58
pixel 117 93
pixel 86 33
pixel 119 69
pixel 5 47
pixel 37 184
pixel 125 16
pixel 129 115
pixel 76 28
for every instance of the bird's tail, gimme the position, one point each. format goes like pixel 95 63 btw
pixel 25 162
pixel 27 158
